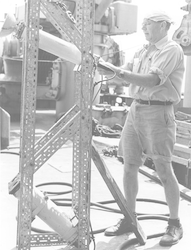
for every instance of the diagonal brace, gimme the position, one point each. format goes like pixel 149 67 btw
pixel 117 194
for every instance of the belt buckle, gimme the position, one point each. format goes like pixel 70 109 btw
pixel 149 102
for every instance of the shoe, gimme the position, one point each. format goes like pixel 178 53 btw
pixel 120 228
pixel 172 236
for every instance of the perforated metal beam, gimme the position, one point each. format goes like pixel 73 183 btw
pixel 26 167
pixel 82 141
pixel 59 134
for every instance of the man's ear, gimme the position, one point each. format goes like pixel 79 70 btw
pixel 164 24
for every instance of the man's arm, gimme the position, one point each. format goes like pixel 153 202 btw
pixel 142 80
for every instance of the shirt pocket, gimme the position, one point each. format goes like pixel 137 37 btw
pixel 136 65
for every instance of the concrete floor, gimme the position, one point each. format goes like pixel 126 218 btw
pixel 59 169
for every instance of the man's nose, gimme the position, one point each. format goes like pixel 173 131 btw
pixel 143 26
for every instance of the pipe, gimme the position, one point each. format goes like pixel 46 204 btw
pixel 47 42
pixel 52 215
pixel 187 88
pixel 59 47
pixel 4 129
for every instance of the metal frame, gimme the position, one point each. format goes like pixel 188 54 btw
pixel 26 167
pixel 76 124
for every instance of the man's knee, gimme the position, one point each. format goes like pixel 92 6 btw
pixel 130 168
pixel 164 170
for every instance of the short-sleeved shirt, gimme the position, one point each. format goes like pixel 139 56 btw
pixel 166 59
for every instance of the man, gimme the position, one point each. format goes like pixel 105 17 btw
pixel 155 79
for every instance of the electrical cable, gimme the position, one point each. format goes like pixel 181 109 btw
pixel 135 241
pixel 106 80
pixel 65 202
pixel 119 51
pixel 7 152
pixel 59 201
pixel 96 64
pixel 97 92
pixel 103 80
pixel 56 183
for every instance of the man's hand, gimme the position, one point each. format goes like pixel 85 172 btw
pixel 105 68
pixel 109 70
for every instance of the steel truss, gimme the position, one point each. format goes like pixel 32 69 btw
pixel 27 162
pixel 75 125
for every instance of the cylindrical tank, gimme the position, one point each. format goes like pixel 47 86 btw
pixel 59 47
pixel 66 96
pixel 187 89
pixel 52 215
pixel 4 129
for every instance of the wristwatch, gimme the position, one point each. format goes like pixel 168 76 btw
pixel 121 74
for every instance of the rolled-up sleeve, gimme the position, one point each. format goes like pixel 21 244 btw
pixel 160 74
pixel 167 62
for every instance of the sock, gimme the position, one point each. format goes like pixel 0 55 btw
pixel 174 222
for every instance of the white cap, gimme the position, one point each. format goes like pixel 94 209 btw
pixel 158 16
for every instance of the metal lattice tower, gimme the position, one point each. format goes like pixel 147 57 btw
pixel 27 161
pixel 76 124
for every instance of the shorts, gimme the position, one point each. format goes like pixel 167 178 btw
pixel 149 131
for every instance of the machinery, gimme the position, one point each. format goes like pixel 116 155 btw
pixel 182 154
pixel 55 83
pixel 54 73
pixel 183 36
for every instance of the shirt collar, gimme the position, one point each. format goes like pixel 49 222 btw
pixel 160 44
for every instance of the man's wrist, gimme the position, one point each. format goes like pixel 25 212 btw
pixel 125 84
pixel 120 73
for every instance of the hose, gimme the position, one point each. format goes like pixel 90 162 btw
pixel 56 183
pixel 103 205
pixel 7 152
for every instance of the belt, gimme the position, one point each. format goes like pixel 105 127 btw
pixel 153 102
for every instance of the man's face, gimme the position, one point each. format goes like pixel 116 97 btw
pixel 152 30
